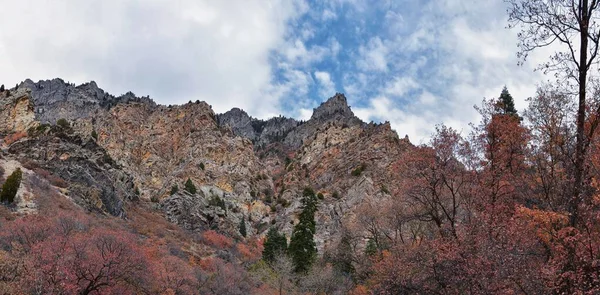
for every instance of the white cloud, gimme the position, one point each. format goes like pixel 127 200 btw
pixel 400 86
pixel 373 56
pixel 328 15
pixel 216 51
pixel 326 86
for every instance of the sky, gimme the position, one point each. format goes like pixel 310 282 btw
pixel 412 63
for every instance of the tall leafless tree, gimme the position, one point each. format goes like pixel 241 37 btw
pixel 575 26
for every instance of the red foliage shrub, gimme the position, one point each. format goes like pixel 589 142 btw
pixel 215 239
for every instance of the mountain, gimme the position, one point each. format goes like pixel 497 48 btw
pixel 118 149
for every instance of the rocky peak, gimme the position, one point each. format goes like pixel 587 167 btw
pixel 336 106
pixel 55 99
pixel 239 122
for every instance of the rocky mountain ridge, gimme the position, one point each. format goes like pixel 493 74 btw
pixel 245 168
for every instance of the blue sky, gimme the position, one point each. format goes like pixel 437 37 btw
pixel 413 63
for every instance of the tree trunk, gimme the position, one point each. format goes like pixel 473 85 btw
pixel 580 145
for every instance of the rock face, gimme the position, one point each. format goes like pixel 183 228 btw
pixel 93 180
pixel 260 132
pixel 244 168
pixel 55 99
pixel 16 112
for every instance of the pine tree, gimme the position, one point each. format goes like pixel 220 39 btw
pixel 174 189
pixel 274 246
pixel 505 103
pixel 190 187
pixel 243 227
pixel 11 186
pixel 343 259
pixel 303 249
pixel 371 248
pixel 2 88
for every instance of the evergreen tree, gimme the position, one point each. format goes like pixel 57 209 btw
pixel 11 186
pixel 303 249
pixel 190 187
pixel 505 103
pixel 275 245
pixel 243 227
pixel 2 88
pixel 343 259
pixel 174 189
pixel 371 248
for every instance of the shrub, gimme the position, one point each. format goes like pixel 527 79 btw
pixel 218 202
pixel 218 240
pixel 201 166
pixel 335 195
pixel 94 135
pixel 63 123
pixel 242 227
pixel 320 196
pixel 190 187
pixel 11 186
pixel 174 189
pixel 2 88
pixel 358 171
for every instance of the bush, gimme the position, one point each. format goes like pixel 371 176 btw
pixel 218 202
pixel 63 123
pixel 201 166
pixel 215 239
pixel 174 189
pixel 94 135
pixel 335 195
pixel 242 227
pixel 358 171
pixel 320 196
pixel 190 187
pixel 11 186
pixel 2 88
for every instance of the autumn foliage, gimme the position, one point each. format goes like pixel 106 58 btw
pixel 486 214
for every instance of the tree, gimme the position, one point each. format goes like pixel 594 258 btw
pixel 275 245
pixel 371 248
pixel 2 88
pixel 506 103
pixel 190 187
pixel 303 249
pixel 574 25
pixel 174 189
pixel 94 135
pixel 11 186
pixel 242 227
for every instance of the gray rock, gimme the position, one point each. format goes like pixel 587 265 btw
pixel 94 180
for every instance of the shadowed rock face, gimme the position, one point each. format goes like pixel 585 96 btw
pixel 94 180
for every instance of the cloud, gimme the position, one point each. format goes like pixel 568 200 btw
pixel 415 64
pixel 373 56
pixel 327 88
pixel 218 51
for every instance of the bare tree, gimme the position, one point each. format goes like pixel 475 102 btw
pixel 574 24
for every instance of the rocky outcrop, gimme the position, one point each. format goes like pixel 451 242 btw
pixel 55 99
pixel 212 208
pixel 262 133
pixel 93 180
pixel 16 111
